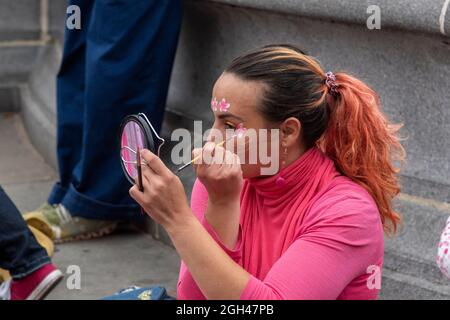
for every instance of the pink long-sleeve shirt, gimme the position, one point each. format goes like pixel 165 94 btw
pixel 319 236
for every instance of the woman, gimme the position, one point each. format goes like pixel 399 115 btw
pixel 315 229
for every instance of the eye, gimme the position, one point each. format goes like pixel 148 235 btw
pixel 229 125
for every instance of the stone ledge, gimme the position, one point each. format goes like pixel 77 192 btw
pixel 398 286
pixel 19 19
pixel 9 99
pixel 402 14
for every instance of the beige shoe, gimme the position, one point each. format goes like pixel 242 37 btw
pixel 64 227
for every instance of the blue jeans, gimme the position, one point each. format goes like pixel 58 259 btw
pixel 118 63
pixel 20 253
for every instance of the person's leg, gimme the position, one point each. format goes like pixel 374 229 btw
pixel 33 274
pixel 129 55
pixel 71 106
pixel 20 253
pixel 70 101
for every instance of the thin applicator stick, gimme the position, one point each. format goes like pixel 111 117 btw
pixel 139 172
pixel 198 157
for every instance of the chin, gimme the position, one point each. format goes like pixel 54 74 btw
pixel 250 171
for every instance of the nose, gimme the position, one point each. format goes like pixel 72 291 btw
pixel 215 135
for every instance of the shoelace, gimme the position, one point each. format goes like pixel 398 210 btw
pixel 63 215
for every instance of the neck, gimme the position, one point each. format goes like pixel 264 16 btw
pixel 300 172
pixel 294 154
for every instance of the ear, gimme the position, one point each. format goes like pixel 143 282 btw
pixel 290 131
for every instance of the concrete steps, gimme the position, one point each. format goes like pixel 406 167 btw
pixel 38 102
pixel 400 286
pixel 410 270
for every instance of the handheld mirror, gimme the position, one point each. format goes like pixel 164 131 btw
pixel 136 131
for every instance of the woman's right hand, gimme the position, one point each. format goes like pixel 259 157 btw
pixel 220 172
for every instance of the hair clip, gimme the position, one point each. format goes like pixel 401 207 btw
pixel 330 82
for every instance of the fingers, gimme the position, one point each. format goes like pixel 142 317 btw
pixel 214 159
pixel 203 155
pixel 233 165
pixel 153 185
pixel 154 172
pixel 154 162
pixel 147 174
pixel 136 194
pixel 229 159
pixel 208 153
pixel 218 157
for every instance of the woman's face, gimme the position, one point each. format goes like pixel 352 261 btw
pixel 234 104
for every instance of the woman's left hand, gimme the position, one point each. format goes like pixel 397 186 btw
pixel 163 198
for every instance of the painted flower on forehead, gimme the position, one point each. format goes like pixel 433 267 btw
pixel 224 105
pixel 214 104
pixel 240 130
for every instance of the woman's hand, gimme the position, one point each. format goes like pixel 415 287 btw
pixel 163 199
pixel 220 172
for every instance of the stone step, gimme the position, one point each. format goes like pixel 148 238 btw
pixel 409 265
pixel 38 101
pixel 399 286
pixel 9 98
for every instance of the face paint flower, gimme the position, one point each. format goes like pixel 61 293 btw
pixel 214 104
pixel 240 130
pixel 224 105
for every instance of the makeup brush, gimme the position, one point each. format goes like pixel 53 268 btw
pixel 139 172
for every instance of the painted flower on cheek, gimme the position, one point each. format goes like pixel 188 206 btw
pixel 240 130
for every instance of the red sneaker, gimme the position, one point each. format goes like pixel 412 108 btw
pixel 36 285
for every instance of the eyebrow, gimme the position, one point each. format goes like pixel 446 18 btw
pixel 223 116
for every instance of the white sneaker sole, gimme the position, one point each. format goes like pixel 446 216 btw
pixel 88 236
pixel 46 285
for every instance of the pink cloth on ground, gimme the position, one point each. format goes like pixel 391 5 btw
pixel 319 236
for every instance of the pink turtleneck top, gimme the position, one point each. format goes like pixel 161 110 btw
pixel 318 236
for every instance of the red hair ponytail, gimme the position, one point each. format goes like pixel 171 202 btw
pixel 364 145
